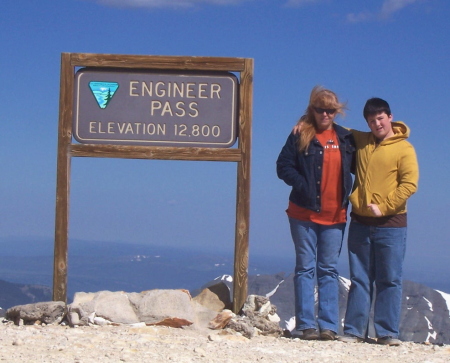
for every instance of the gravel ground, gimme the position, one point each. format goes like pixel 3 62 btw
pixel 52 343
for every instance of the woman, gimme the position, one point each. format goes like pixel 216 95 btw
pixel 317 165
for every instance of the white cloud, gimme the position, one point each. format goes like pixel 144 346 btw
pixel 296 3
pixel 388 8
pixel 360 17
pixel 166 3
pixel 391 6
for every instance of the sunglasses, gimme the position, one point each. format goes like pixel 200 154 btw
pixel 329 111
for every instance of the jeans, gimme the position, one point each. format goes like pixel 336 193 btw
pixel 376 255
pixel 317 250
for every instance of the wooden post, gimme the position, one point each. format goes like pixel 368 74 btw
pixel 243 190
pixel 63 181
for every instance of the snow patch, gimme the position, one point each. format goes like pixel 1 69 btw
pixel 345 282
pixel 430 326
pixel 428 302
pixel 228 278
pixel 432 333
pixel 269 294
pixel 447 299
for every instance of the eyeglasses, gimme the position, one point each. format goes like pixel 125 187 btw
pixel 329 111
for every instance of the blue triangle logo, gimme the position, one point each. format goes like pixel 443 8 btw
pixel 103 92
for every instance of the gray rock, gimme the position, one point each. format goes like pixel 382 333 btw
pixel 203 315
pixel 74 318
pixel 215 296
pixel 221 320
pixel 243 326
pixel 111 306
pixel 51 312
pixel 258 317
pixel 159 306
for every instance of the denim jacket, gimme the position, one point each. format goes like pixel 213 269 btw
pixel 303 171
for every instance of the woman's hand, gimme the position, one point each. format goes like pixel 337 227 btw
pixel 297 128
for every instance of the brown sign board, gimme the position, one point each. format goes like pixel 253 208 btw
pixel 105 142
pixel 143 107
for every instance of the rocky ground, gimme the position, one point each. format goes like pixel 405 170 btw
pixel 56 343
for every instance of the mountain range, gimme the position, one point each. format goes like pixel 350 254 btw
pixel 425 312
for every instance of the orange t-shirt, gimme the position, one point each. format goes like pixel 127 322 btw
pixel 331 186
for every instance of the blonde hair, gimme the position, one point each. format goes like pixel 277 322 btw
pixel 322 98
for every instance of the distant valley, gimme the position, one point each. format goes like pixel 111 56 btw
pixel 96 266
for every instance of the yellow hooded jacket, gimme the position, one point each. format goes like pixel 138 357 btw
pixel 386 175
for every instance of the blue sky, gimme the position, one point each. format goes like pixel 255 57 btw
pixel 396 50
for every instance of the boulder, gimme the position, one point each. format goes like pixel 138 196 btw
pixel 258 317
pixel 110 306
pixel 51 312
pixel 164 307
pixel 221 320
pixel 215 297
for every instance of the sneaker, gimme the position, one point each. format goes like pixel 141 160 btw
pixel 389 341
pixel 348 338
pixel 310 334
pixel 327 334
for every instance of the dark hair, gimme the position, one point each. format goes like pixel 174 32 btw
pixel 375 106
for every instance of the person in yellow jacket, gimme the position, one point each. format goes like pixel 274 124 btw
pixel 386 176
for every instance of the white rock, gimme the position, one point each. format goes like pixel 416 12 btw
pixel 98 320
pixel 273 318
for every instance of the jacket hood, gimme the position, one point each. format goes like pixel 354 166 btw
pixel 401 132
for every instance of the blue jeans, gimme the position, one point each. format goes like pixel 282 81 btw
pixel 376 255
pixel 317 250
